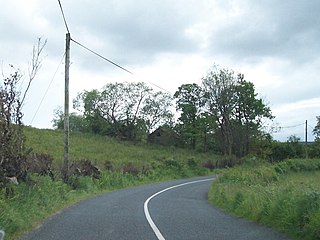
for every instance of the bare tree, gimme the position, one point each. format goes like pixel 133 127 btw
pixel 35 64
pixel 12 149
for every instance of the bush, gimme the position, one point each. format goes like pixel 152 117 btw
pixel 84 168
pixel 40 164
pixel 130 168
pixel 210 164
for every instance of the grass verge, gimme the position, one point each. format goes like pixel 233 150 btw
pixel 40 197
pixel 285 196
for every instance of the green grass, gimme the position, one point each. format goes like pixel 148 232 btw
pixel 41 197
pixel 285 196
pixel 101 149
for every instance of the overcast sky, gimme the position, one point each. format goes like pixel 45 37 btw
pixel 274 43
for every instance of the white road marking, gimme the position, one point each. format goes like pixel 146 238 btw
pixel 147 213
pixel 1 235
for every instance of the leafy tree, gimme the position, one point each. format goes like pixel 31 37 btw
pixel 238 111
pixel 125 110
pixel 206 128
pixel 219 85
pixel 249 111
pixel 292 148
pixel 11 136
pixel 295 146
pixel 157 110
pixel 316 130
pixel 190 101
pixel 87 103
pixel 76 122
pixel 120 104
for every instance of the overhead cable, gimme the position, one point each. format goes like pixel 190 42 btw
pixel 298 125
pixel 64 18
pixel 45 94
pixel 115 64
pixel 99 55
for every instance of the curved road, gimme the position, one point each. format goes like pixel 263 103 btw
pixel 169 210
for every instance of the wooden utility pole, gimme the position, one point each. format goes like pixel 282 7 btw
pixel 65 171
pixel 306 139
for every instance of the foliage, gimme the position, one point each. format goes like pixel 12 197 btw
pixel 248 114
pixel 285 196
pixel 314 150
pixel 190 102
pixel 285 150
pixel 219 84
pixel 225 114
pixel 237 110
pixel 316 130
pixel 76 122
pixel 156 110
pixel 12 151
pixel 124 110
pixel 40 163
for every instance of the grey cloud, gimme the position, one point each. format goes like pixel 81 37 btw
pixel 136 31
pixel 285 29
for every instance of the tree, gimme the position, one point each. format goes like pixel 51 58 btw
pixel 11 135
pixel 190 100
pixel 87 104
pixel 249 111
pixel 77 123
pixel 316 130
pixel 219 87
pixel 12 149
pixel 125 110
pixel 157 110
pixel 121 104
pixel 238 111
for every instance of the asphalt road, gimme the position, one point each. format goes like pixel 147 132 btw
pixel 169 210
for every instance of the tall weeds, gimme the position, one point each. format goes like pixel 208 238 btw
pixel 285 196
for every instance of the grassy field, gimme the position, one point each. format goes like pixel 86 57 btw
pixel 285 196
pixel 41 197
pixel 101 149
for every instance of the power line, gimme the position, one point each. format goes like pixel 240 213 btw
pixel 64 18
pixel 115 64
pixel 45 94
pixel 293 126
pixel 310 126
pixel 104 58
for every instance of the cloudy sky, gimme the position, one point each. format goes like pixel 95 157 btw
pixel 275 44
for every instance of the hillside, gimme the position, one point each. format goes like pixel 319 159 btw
pixel 102 150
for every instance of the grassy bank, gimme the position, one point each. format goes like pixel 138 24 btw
pixel 41 197
pixel 102 149
pixel 285 196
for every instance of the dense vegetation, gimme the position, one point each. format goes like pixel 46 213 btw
pixel 285 196
pixel 224 114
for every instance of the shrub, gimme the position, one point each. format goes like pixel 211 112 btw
pixel 210 164
pixel 40 164
pixel 84 168
pixel 130 168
